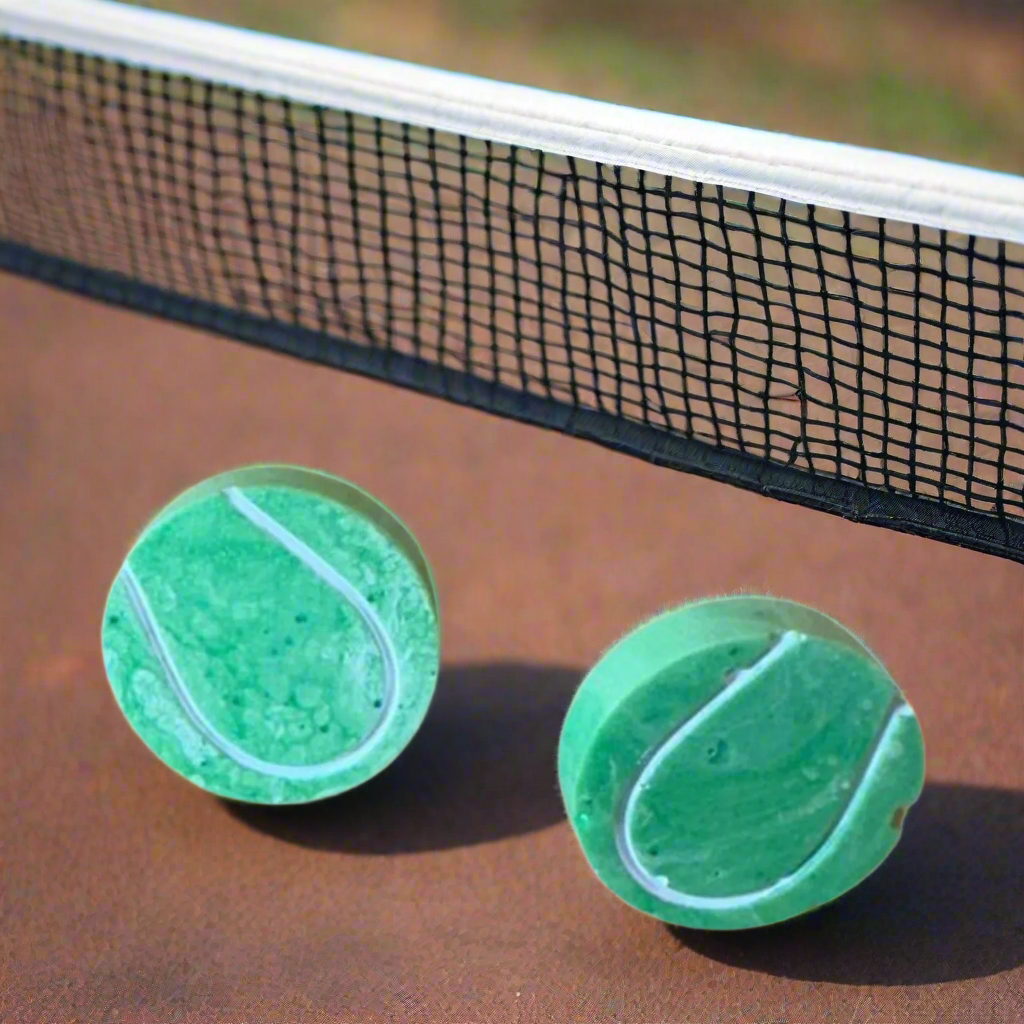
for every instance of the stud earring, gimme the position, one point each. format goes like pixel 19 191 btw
pixel 736 762
pixel 273 635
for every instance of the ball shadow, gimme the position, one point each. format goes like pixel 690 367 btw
pixel 482 767
pixel 947 905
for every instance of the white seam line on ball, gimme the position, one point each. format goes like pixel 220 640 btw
pixel 321 568
pixel 147 621
pixel 653 884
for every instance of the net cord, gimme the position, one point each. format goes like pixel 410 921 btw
pixel 854 179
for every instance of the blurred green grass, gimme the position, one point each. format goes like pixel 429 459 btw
pixel 940 78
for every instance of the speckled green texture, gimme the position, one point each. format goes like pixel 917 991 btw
pixel 282 667
pixel 737 762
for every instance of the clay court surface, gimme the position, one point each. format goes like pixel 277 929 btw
pixel 450 888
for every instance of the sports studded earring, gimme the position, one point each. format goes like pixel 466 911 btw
pixel 736 762
pixel 273 635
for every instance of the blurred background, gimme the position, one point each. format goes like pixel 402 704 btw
pixel 939 78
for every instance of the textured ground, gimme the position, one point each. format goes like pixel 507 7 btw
pixel 450 888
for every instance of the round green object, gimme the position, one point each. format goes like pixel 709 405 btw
pixel 737 762
pixel 273 635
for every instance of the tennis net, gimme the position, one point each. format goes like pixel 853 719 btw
pixel 833 326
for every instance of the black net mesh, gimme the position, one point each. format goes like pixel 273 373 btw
pixel 865 367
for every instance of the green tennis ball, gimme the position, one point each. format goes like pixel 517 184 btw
pixel 737 762
pixel 273 635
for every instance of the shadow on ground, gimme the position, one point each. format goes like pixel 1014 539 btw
pixel 482 767
pixel 947 905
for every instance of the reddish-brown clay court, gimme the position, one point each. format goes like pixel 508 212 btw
pixel 450 888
